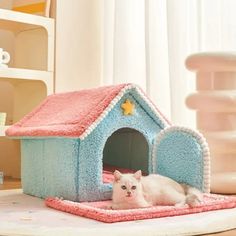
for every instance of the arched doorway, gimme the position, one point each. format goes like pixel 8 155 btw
pixel 126 150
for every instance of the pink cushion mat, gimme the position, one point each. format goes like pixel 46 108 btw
pixel 98 211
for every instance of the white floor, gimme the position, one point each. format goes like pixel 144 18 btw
pixel 21 214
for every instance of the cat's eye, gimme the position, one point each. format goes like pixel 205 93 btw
pixel 133 187
pixel 123 187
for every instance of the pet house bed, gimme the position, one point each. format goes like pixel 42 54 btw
pixel 69 137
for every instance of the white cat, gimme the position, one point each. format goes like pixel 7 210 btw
pixel 137 191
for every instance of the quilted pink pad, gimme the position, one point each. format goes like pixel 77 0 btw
pixel 98 210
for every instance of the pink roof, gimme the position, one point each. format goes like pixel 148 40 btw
pixel 66 114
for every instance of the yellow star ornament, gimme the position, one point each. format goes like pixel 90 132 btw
pixel 128 107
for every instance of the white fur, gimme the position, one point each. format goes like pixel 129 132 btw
pixel 137 191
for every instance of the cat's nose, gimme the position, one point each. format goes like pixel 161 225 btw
pixel 129 193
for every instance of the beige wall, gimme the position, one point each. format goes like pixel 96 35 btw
pixel 78 44
pixel 6 38
pixel 6 4
pixel 7 100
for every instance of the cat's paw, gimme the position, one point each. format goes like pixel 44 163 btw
pixel 146 205
pixel 108 207
pixel 193 200
pixel 180 204
pixel 115 207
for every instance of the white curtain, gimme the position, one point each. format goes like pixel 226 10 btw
pixel 147 41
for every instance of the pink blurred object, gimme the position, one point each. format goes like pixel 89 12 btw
pixel 215 105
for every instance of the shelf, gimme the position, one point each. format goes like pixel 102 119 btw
pixel 18 21
pixel 30 78
pixel 11 74
pixel 2 130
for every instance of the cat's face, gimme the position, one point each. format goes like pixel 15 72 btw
pixel 127 186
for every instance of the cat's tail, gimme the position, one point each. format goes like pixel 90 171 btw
pixel 193 195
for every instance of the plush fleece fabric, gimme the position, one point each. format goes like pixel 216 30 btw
pixel 98 211
pixel 66 114
pixel 66 141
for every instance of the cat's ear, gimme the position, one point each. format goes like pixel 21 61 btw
pixel 138 174
pixel 117 175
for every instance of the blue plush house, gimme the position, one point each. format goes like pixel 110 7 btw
pixel 72 141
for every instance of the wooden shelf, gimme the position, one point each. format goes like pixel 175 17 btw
pixel 30 78
pixel 18 21
pixel 17 73
pixel 2 130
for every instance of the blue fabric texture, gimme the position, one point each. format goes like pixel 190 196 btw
pixel 72 168
pixel 49 167
pixel 180 157
pixel 91 149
